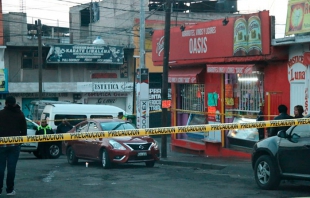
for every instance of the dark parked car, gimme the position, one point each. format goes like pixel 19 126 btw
pixel 114 150
pixel 282 157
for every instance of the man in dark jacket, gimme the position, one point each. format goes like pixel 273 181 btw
pixel 64 127
pixel 282 116
pixel 44 147
pixel 12 123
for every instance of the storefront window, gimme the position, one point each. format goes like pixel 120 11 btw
pixel 192 97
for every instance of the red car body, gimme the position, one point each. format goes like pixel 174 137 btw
pixel 114 150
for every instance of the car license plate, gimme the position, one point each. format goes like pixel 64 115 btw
pixel 142 154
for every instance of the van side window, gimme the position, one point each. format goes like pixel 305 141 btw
pixel 101 116
pixel 73 119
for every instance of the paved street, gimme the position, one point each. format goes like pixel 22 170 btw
pixel 56 178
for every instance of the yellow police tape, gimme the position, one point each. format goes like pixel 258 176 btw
pixel 151 131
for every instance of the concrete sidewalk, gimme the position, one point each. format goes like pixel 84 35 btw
pixel 202 162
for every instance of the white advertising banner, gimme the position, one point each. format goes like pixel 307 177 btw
pixel 143 114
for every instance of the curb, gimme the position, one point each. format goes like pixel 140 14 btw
pixel 192 164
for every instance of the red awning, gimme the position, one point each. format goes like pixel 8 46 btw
pixel 306 58
pixel 184 75
pixel 231 68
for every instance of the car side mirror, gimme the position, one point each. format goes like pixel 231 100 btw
pixel 295 138
pixel 282 134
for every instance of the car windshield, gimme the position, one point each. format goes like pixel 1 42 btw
pixel 107 126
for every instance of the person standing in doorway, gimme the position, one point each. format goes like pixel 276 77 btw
pixel 298 111
pixel 12 123
pixel 43 147
pixel 282 116
pixel 260 117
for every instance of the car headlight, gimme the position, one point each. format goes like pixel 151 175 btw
pixel 116 145
pixel 155 144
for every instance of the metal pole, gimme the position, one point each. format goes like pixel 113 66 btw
pixel 142 35
pixel 164 95
pixel 40 57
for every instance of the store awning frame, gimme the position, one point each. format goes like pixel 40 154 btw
pixel 186 75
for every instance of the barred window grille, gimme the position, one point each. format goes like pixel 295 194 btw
pixel 250 93
pixel 192 97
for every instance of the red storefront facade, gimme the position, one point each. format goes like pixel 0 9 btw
pixel 221 71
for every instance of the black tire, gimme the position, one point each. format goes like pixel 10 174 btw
pixel 54 150
pixel 72 159
pixel 36 153
pixel 150 164
pixel 266 173
pixel 105 160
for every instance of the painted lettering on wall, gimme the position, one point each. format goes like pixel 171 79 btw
pixel 106 100
pixel 296 69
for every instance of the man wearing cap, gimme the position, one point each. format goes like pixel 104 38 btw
pixel 43 147
pixel 12 123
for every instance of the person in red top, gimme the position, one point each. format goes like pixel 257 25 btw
pixel 12 123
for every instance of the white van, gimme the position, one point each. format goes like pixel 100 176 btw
pixel 75 113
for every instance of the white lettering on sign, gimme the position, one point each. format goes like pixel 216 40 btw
pixel 296 69
pixel 160 46
pixel 198 45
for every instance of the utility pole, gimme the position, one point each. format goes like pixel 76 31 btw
pixel 142 86
pixel 164 95
pixel 39 29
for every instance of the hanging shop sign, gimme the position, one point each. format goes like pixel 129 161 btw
pixel 296 69
pixel 85 54
pixel 112 87
pixel 244 35
pixel 298 17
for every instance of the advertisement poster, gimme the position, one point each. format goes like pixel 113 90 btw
pixel 3 81
pixel 85 54
pixel 142 97
pixel 298 17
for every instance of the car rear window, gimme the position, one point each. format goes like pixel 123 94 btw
pixel 107 126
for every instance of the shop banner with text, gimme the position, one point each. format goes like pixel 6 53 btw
pixel 244 35
pixel 85 54
pixel 298 17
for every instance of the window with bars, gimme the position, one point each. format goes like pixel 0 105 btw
pixel 249 91
pixel 192 97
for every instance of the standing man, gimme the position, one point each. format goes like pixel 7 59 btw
pixel 44 147
pixel 64 126
pixel 12 123
pixel 260 117
pixel 282 116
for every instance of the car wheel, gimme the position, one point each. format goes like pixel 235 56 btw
pixel 36 153
pixel 72 159
pixel 150 164
pixel 54 151
pixel 266 173
pixel 105 160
